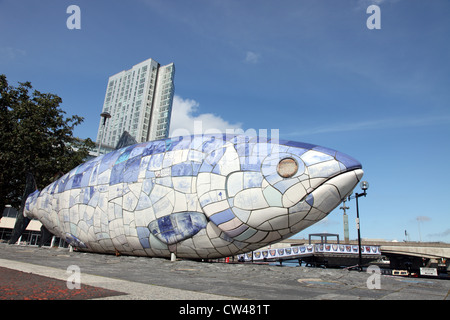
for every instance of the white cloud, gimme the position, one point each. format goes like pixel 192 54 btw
pixel 252 57
pixel 387 123
pixel 370 2
pixel 326 222
pixel 184 120
pixel 363 4
pixel 366 3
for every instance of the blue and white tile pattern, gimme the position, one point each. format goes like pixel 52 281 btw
pixel 203 196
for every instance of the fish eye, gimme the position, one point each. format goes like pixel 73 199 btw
pixel 287 167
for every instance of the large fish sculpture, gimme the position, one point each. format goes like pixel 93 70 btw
pixel 200 196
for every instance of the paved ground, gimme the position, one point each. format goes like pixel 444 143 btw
pixel 134 278
pixel 18 285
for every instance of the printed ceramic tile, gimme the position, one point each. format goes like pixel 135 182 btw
pixel 257 237
pixel 273 237
pixel 159 191
pixel 246 234
pixel 180 202
pixel 252 180
pixel 163 207
pixel 215 207
pixel 249 199
pixel 259 217
pixel 243 215
pixel 285 184
pixel 312 157
pixel 347 161
pixel 182 169
pixel 345 181
pixel 227 164
pixel 273 196
pixel 279 223
pixel 195 156
pixel 234 232
pixel 130 201
pixel 235 183
pixel 313 215
pixel 293 195
pixel 324 169
pixel 326 198
pixel 155 162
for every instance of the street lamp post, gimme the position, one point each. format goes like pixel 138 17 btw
pixel 364 186
pixel 104 115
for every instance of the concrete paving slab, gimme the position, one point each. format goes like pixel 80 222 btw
pixel 155 278
pixel 120 289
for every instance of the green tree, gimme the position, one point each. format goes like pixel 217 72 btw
pixel 36 138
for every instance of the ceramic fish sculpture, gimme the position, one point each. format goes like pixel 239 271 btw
pixel 199 196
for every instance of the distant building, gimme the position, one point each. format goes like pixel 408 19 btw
pixel 139 101
pixel 32 233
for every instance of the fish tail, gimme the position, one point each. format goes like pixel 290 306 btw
pixel 24 217
pixel 29 196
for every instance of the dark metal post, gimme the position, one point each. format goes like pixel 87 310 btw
pixel 364 186
pixel 104 115
pixel 359 232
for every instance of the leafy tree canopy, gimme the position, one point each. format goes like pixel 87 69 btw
pixel 35 137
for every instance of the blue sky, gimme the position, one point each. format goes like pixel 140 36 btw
pixel 311 69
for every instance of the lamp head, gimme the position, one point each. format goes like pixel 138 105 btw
pixel 364 185
pixel 105 115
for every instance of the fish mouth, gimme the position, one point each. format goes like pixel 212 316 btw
pixel 328 195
